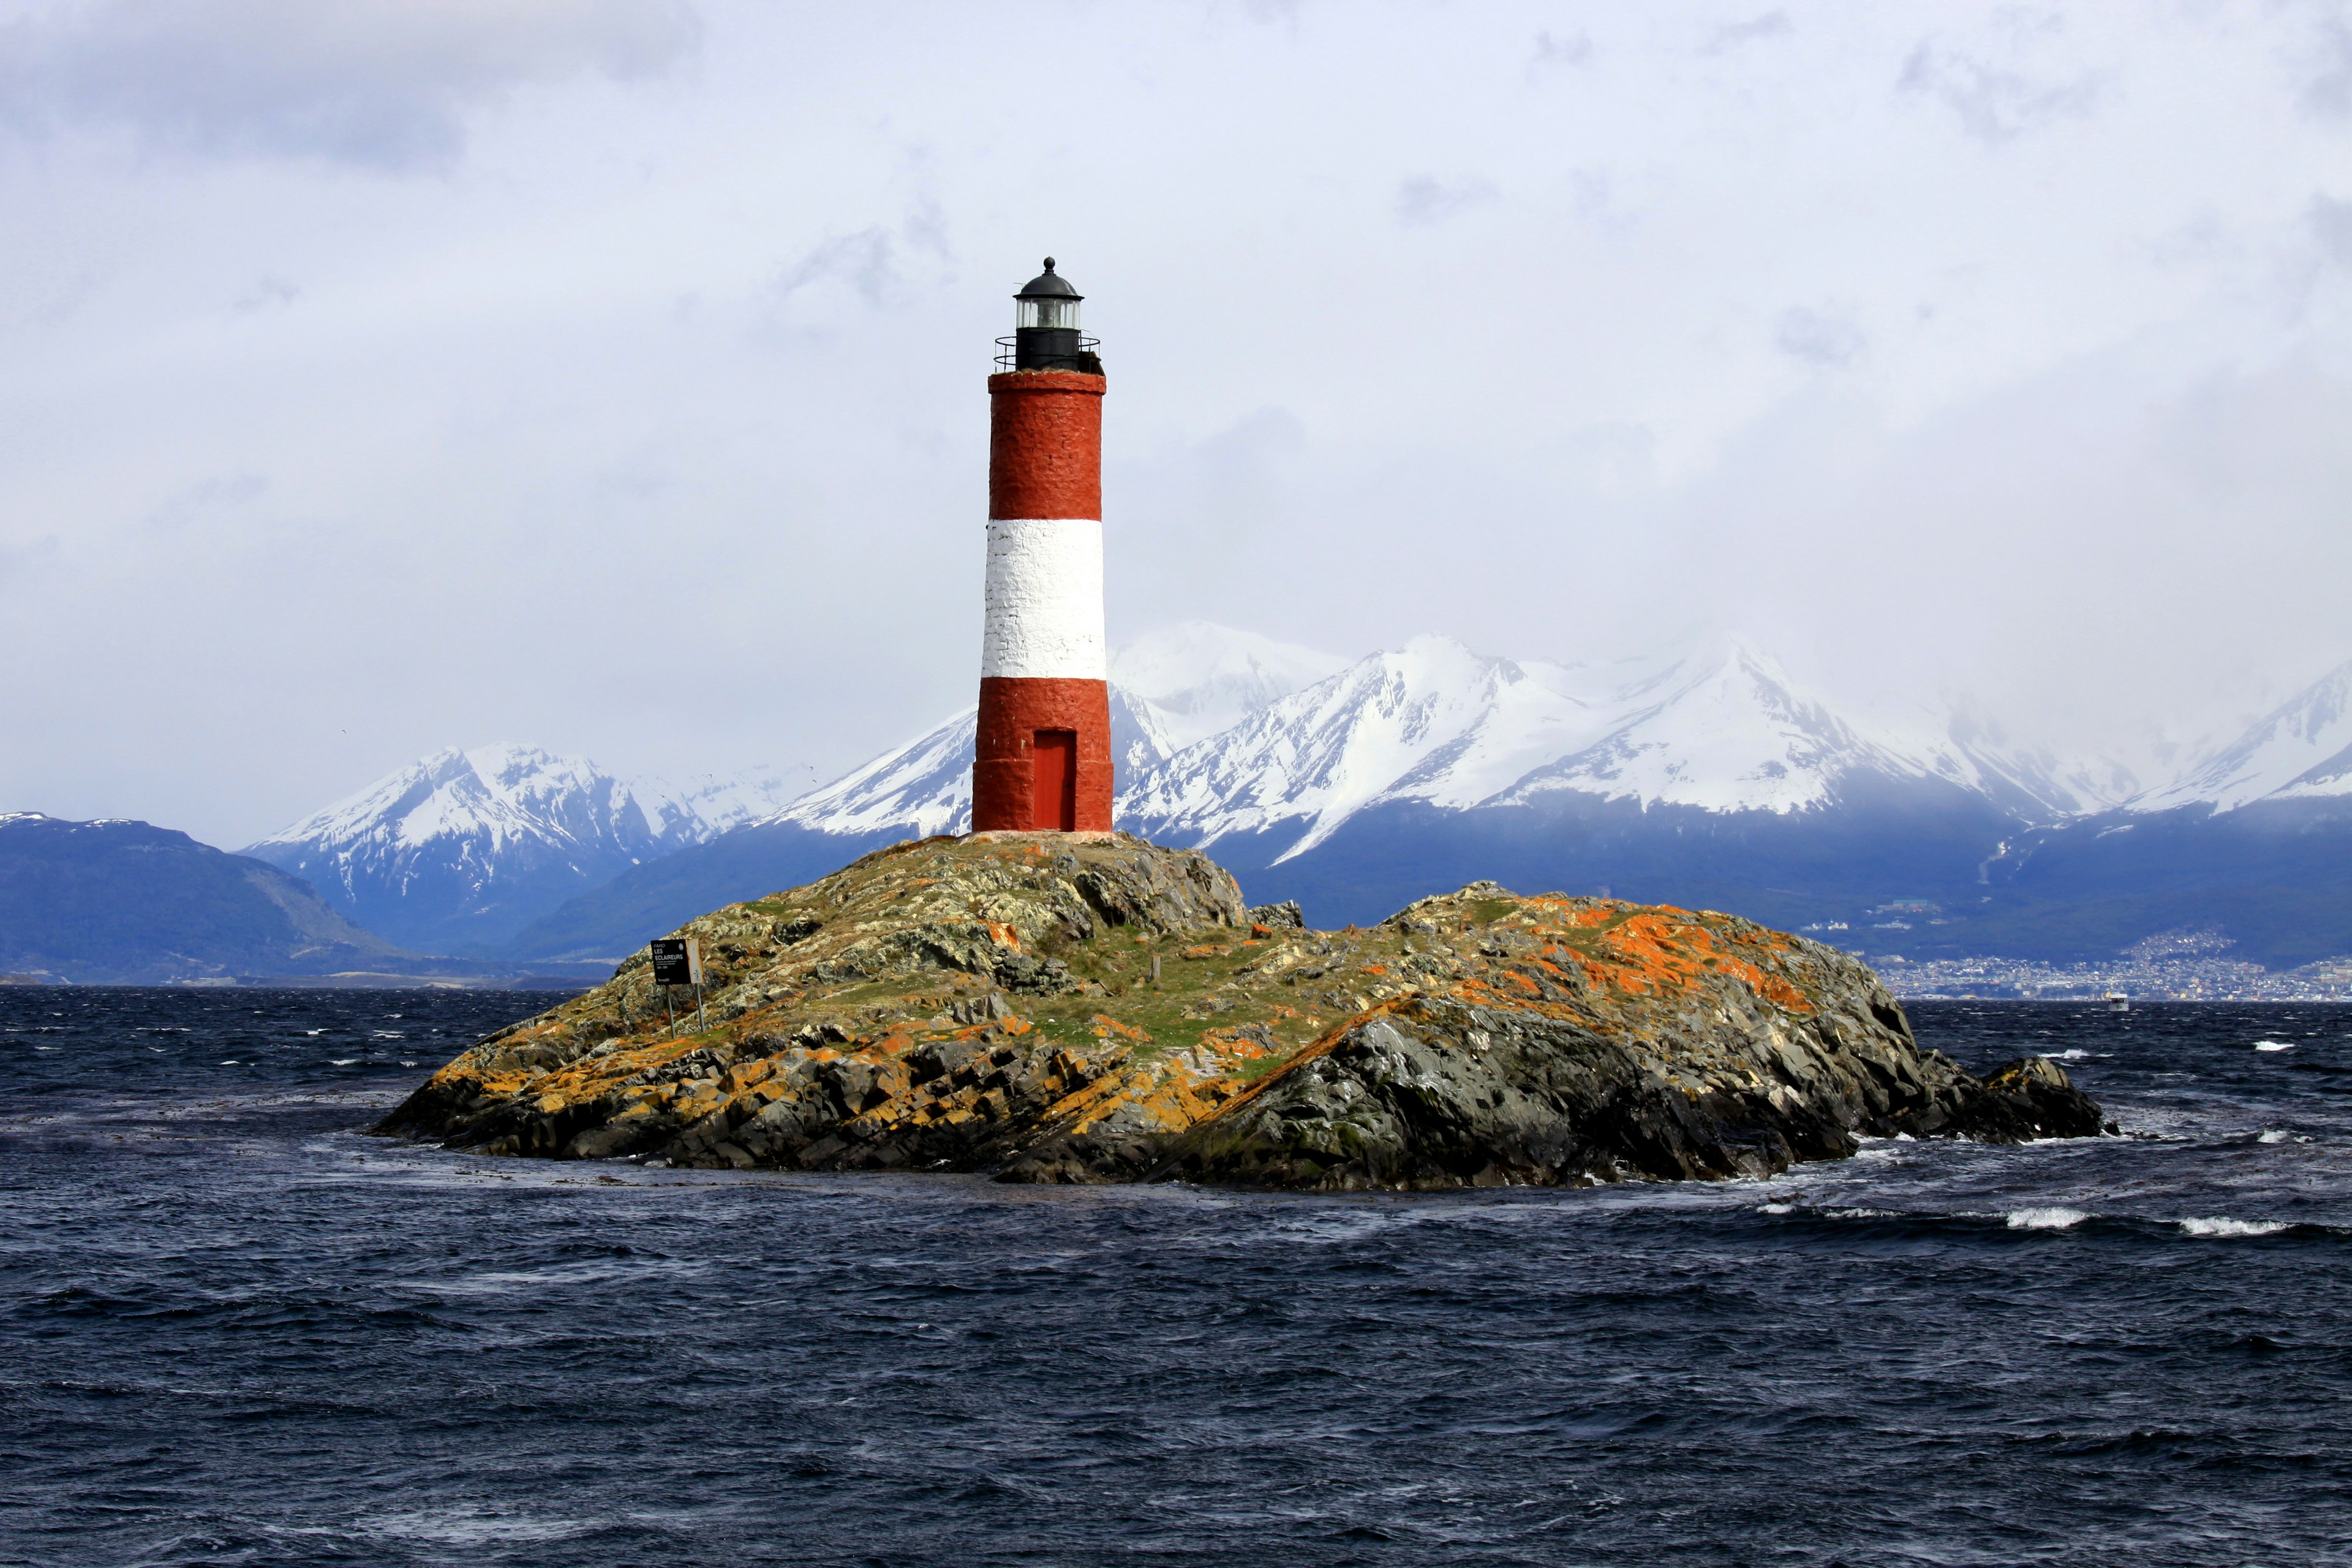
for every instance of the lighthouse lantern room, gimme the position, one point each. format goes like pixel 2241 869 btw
pixel 1045 334
pixel 1042 758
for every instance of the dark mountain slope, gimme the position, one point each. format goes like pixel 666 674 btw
pixel 125 903
pixel 656 899
pixel 1881 841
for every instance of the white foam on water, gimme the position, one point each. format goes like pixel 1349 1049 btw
pixel 2072 1054
pixel 2274 1135
pixel 469 1528
pixel 2273 1045
pixel 2050 1217
pixel 341 1061
pixel 1776 1208
pixel 2217 1225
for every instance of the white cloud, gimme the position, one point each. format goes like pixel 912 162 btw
pixel 1424 200
pixel 1732 35
pixel 384 84
pixel 655 425
pixel 1995 103
pixel 1819 337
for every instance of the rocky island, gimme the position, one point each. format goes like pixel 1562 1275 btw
pixel 1060 1007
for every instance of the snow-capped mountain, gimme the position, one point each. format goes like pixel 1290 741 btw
pixel 2299 751
pixel 1722 728
pixel 1966 746
pixel 1190 681
pixel 1705 775
pixel 1196 679
pixel 455 852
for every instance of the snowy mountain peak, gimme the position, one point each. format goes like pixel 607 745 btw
pixel 923 786
pixel 1726 732
pixel 1167 690
pixel 2300 750
pixel 496 790
pixel 458 849
pixel 1197 678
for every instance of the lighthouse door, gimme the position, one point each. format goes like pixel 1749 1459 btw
pixel 1053 780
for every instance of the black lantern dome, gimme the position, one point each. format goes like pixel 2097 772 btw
pixel 1045 328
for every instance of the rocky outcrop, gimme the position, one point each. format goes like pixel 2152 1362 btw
pixel 1060 1009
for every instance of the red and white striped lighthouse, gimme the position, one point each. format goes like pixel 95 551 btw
pixel 1044 760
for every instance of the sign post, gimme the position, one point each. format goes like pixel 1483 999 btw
pixel 678 961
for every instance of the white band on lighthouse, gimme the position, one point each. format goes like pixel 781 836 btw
pixel 1044 603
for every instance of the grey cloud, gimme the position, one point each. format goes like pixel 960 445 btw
pixel 2331 222
pixel 867 262
pixel 266 292
pixel 1424 200
pixel 926 228
pixel 380 84
pixel 2330 89
pixel 1819 338
pixel 1574 50
pixel 207 498
pixel 1770 25
pixel 1994 105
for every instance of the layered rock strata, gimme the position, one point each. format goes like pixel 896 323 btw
pixel 1050 1008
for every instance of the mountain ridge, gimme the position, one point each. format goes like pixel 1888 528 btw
pixel 1699 775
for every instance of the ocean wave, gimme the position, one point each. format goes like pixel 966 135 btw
pixel 2274 1135
pixel 2221 1226
pixel 2051 1216
pixel 2273 1045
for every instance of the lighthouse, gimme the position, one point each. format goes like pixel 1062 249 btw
pixel 1042 760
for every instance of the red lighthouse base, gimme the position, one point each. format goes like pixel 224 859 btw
pixel 1043 756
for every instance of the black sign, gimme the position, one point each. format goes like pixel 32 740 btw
pixel 674 961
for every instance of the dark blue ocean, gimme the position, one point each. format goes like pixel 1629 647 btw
pixel 235 1329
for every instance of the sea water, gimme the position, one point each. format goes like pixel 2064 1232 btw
pixel 236 1328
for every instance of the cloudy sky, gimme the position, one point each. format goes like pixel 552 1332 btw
pixel 607 375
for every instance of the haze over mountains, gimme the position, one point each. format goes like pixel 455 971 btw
pixel 1704 776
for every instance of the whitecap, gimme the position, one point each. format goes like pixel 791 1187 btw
pixel 469 1528
pixel 2273 1135
pixel 2072 1054
pixel 2217 1225
pixel 2273 1045
pixel 341 1061
pixel 2050 1217
pixel 1776 1208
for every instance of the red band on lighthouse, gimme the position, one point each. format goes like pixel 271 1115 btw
pixel 1042 760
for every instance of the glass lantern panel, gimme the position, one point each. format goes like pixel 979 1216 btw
pixel 1048 313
